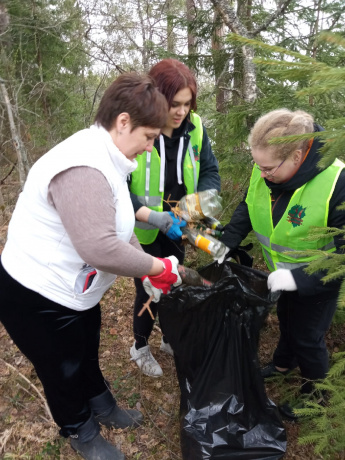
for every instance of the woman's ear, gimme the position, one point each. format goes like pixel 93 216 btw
pixel 297 156
pixel 122 121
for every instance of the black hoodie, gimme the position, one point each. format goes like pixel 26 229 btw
pixel 239 226
pixel 208 176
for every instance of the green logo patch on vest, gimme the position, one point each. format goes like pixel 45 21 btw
pixel 295 215
pixel 196 153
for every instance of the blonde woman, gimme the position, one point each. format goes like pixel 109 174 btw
pixel 287 195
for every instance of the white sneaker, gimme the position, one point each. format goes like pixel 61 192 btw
pixel 145 361
pixel 166 347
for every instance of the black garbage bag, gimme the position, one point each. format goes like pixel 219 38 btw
pixel 214 332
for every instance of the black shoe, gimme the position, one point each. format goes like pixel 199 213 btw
pixel 96 449
pixel 107 412
pixel 88 442
pixel 287 412
pixel 121 418
pixel 270 370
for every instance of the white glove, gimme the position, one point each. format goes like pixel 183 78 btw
pixel 221 259
pixel 281 280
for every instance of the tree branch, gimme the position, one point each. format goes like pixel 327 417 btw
pixel 280 10
pixel 32 386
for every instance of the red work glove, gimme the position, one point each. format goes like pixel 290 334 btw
pixel 161 284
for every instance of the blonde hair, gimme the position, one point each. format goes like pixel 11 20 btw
pixel 281 123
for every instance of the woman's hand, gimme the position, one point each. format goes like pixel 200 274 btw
pixel 161 284
pixel 167 223
pixel 281 280
pixel 175 232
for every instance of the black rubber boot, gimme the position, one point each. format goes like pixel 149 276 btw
pixel 91 445
pixel 108 413
pixel 315 396
pixel 270 370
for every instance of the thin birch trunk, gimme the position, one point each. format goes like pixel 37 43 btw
pixel 17 142
pixel 230 18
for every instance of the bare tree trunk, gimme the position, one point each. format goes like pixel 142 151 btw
pixel 236 26
pixel 145 58
pixel 230 18
pixel 23 165
pixel 2 202
pixel 4 18
pixel 220 65
pixel 191 14
pixel 170 28
pixel 314 30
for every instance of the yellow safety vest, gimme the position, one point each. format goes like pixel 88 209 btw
pixel 308 207
pixel 145 179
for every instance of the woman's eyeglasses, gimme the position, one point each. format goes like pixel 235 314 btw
pixel 268 172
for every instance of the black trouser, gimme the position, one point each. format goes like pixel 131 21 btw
pixel 303 322
pixel 143 325
pixel 61 343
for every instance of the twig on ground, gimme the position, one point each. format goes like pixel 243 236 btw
pixel 4 437
pixel 32 386
pixel 146 306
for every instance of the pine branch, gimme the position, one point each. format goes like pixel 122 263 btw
pixel 338 366
pixel 325 429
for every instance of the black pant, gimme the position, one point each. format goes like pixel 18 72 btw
pixel 143 325
pixel 303 322
pixel 61 343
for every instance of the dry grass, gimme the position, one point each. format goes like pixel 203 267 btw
pixel 25 428
pixel 27 432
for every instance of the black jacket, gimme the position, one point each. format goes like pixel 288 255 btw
pixel 239 226
pixel 208 178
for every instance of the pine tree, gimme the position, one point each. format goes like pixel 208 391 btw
pixel 43 61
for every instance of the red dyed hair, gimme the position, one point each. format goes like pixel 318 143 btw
pixel 170 76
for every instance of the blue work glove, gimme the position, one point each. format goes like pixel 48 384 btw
pixel 167 223
pixel 174 232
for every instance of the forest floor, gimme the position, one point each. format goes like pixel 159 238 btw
pixel 27 431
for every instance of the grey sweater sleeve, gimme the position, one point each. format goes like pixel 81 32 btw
pixel 84 202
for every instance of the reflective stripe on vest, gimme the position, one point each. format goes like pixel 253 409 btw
pixel 308 207
pixel 147 179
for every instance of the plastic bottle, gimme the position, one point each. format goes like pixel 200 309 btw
pixel 201 226
pixel 205 242
pixel 213 223
pixel 197 206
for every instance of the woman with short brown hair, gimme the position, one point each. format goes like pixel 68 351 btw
pixel 70 235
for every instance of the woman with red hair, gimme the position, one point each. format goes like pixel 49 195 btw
pixel 181 162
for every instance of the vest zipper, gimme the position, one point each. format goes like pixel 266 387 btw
pixel 275 202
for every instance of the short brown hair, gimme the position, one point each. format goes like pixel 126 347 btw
pixel 281 123
pixel 171 75
pixel 138 96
